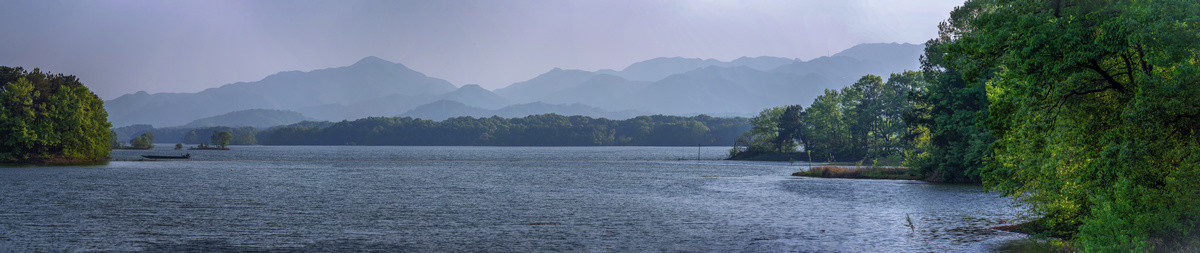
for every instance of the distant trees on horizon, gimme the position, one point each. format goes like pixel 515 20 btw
pixel 534 130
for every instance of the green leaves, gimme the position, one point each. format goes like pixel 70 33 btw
pixel 47 117
pixel 1092 104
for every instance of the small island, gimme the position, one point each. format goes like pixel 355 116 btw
pixel 50 119
pixel 221 138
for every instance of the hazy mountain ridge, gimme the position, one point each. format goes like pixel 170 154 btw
pixel 444 109
pixel 680 86
pixel 368 78
pixel 257 118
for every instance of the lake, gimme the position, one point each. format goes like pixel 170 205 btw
pixel 338 198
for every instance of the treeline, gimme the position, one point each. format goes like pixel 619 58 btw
pixel 535 130
pixel 241 135
pixel 862 122
pixel 48 118
pixel 1087 110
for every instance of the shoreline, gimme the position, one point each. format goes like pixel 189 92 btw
pixel 834 171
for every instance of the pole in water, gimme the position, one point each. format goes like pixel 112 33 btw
pixel 697 151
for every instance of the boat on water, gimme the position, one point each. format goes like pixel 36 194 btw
pixel 184 156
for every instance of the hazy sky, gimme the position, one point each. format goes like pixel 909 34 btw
pixel 119 47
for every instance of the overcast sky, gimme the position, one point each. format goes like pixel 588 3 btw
pixel 119 47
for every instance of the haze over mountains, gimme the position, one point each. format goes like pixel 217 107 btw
pixel 376 87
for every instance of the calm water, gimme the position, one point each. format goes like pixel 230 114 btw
pixel 481 199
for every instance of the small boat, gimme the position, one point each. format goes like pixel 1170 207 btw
pixel 185 156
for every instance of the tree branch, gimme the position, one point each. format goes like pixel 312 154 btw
pixel 1107 77
pixel 1128 69
pixel 1142 58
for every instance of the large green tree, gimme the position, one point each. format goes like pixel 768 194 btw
pixel 1095 108
pixel 221 138
pixel 950 144
pixel 50 118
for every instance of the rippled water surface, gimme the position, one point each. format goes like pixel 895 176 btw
pixel 481 199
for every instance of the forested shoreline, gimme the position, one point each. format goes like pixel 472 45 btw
pixel 1087 111
pixel 50 119
pixel 535 130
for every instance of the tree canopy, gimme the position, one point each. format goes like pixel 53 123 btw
pixel 862 122
pixel 535 130
pixel 47 118
pixel 1095 107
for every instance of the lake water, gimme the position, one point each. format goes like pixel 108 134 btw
pixel 320 199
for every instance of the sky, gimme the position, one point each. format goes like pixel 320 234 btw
pixel 120 47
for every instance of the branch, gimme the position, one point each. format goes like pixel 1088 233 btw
pixel 1107 77
pixel 1142 58
pixel 1128 69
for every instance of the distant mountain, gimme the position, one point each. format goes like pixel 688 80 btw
pixel 444 109
pixel 659 68
pixel 603 90
pixel 728 90
pixel 366 79
pixel 687 86
pixel 891 55
pixel 470 94
pixel 257 118
pixel 476 96
pixel 676 86
pixel 543 85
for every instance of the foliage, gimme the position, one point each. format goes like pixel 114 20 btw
pixel 48 118
pixel 535 130
pixel 146 140
pixel 763 135
pixel 861 122
pixel 221 138
pixel 949 144
pixel 1094 108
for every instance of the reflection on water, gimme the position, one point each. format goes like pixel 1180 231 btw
pixel 322 199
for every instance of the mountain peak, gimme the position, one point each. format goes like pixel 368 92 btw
pixel 372 60
pixel 471 87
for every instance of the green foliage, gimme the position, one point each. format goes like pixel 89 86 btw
pixel 763 135
pixel 50 118
pixel 221 138
pixel 949 143
pixel 146 140
pixel 241 135
pixel 535 130
pixel 1094 108
pixel 863 122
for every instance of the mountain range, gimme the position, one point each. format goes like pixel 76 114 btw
pixel 377 87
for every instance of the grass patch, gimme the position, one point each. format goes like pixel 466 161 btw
pixel 829 171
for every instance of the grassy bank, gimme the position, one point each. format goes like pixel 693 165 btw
pixel 830 171
pixel 769 156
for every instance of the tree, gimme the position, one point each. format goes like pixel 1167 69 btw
pixel 146 140
pixel 50 118
pixel 828 137
pixel 791 129
pixel 221 138
pixel 945 121
pixel 1093 106
pixel 764 129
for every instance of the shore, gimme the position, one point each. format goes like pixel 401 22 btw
pixel 860 172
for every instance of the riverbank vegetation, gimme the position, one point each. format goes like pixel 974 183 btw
pixel 535 130
pixel 1089 111
pixel 860 123
pixel 50 118
pixel 867 172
